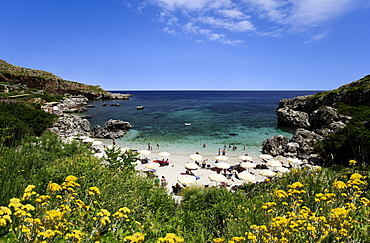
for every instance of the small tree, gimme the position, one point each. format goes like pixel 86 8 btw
pixel 118 160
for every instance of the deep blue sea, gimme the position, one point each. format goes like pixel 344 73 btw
pixel 237 118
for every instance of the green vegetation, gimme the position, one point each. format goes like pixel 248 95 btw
pixel 359 85
pixel 59 192
pixel 20 71
pixel 351 142
pixel 10 70
pixel 18 120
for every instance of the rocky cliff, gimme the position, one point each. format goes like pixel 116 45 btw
pixel 314 117
pixel 36 79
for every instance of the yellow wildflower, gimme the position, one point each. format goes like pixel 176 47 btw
pixel 280 194
pixel 172 238
pixel 352 162
pixel 339 185
pixel 54 187
pixel 296 185
pixel 94 191
pixel 137 237
pixel 218 240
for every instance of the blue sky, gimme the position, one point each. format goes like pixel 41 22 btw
pixel 191 44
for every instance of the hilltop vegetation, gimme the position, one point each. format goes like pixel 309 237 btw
pixel 41 80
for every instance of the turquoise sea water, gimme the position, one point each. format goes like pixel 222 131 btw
pixel 218 118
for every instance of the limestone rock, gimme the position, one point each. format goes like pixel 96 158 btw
pixel 275 145
pixel 111 129
pixel 71 125
pixel 289 117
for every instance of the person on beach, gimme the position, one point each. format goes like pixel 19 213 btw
pixel 156 181
pixel 204 145
pixel 114 141
pixel 163 182
pixel 224 152
pixel 219 151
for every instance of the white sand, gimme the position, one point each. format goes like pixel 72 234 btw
pixel 177 166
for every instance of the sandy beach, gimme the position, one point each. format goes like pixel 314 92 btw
pixel 177 162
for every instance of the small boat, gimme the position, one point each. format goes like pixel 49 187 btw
pixel 117 104
pixel 187 124
pixel 139 107
pixel 90 106
pixel 104 104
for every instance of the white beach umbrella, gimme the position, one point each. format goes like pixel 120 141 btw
pixel 191 166
pixel 152 165
pixel 267 173
pixel 221 157
pixel 273 163
pixel 248 165
pixel 83 137
pixel 99 155
pixel 246 176
pixel 282 169
pixel 144 152
pixel 217 177
pixel 196 157
pixel 265 156
pixel 164 154
pixel 97 142
pixel 295 161
pixel 245 157
pixel 186 179
pixel 88 140
pixel 222 165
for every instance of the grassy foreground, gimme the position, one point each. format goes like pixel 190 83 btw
pixel 55 192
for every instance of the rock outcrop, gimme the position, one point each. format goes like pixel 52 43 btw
pixel 71 125
pixel 111 129
pixel 314 117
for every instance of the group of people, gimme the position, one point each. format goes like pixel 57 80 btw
pixel 162 182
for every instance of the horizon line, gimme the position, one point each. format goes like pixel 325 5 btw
pixel 216 90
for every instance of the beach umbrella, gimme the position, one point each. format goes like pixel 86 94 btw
pixel 164 154
pixel 265 156
pixel 295 162
pixel 217 177
pixel 152 165
pixel 186 179
pixel 246 176
pixel 99 155
pixel 267 173
pixel 222 165
pixel 248 165
pixel 144 152
pixel 88 140
pixel 191 166
pixel 282 169
pixel 245 157
pixel 83 137
pixel 196 157
pixel 221 157
pixel 273 163
pixel 97 142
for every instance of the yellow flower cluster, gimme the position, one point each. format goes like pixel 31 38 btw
pixel 58 216
pixel 137 237
pixel 171 238
pixel 5 216
pixel 331 215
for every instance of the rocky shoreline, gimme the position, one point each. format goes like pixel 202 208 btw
pixel 69 125
pixel 314 117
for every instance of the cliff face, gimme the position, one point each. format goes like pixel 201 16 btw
pixel 47 81
pixel 315 116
